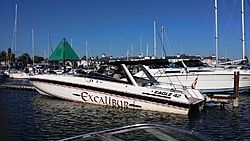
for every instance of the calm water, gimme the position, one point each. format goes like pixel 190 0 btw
pixel 27 115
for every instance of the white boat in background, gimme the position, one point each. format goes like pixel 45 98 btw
pixel 204 79
pixel 20 74
pixel 127 92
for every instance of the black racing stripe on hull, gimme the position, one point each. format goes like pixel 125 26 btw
pixel 146 98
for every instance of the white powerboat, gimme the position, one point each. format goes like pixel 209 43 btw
pixel 20 74
pixel 205 79
pixel 127 92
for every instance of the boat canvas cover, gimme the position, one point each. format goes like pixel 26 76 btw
pixel 64 52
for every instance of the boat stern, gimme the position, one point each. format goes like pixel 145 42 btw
pixel 197 100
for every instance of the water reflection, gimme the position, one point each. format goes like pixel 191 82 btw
pixel 31 116
pixel 73 118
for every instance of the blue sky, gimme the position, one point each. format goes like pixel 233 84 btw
pixel 189 26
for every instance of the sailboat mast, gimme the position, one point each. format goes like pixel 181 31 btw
pixel 87 52
pixel 64 60
pixel 33 44
pixel 162 36
pixel 15 33
pixel 147 51
pixel 216 30
pixel 71 42
pixel 155 38
pixel 48 48
pixel 132 50
pixel 110 48
pixel 243 30
pixel 141 46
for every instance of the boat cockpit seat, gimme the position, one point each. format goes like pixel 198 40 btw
pixel 116 76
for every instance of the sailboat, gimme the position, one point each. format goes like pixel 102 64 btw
pixel 239 63
pixel 16 74
pixel 27 71
pixel 207 80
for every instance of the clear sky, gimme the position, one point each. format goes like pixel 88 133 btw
pixel 126 26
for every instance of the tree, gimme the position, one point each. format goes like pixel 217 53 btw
pixel 84 58
pixel 3 56
pixel 247 61
pixel 38 59
pixel 3 53
pixel 183 55
pixel 11 56
pixel 25 58
pixel 9 50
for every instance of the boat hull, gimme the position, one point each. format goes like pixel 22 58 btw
pixel 19 75
pixel 211 83
pixel 218 81
pixel 107 93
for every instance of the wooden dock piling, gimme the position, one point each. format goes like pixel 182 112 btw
pixel 223 98
pixel 236 89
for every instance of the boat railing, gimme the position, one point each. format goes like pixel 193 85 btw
pixel 192 94
pixel 176 86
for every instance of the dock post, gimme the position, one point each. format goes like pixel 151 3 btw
pixel 236 89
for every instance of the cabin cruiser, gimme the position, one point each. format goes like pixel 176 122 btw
pixel 199 76
pixel 126 91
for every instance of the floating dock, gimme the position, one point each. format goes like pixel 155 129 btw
pixel 19 87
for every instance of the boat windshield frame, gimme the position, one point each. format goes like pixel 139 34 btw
pixel 143 131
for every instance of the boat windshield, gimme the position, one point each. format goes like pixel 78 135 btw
pixel 155 132
pixel 124 73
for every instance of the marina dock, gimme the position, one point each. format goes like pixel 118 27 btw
pixel 9 83
pixel 19 87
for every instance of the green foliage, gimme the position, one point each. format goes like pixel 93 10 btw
pixel 7 56
pixel 2 56
pixel 84 58
pixel 247 61
pixel 25 58
pixel 38 59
